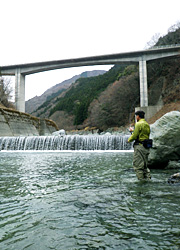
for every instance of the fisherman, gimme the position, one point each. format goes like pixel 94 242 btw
pixel 141 146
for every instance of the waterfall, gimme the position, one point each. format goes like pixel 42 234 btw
pixel 67 142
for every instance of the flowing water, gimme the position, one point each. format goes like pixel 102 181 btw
pixel 84 200
pixel 68 142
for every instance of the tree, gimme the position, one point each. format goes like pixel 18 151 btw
pixel 172 37
pixel 6 92
pixel 114 106
pixel 153 41
pixel 174 27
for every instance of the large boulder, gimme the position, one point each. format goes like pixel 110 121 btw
pixel 165 133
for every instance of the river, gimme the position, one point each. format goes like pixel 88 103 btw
pixel 84 200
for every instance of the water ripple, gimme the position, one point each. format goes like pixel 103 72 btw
pixel 84 201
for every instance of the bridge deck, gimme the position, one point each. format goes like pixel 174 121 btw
pixel 126 57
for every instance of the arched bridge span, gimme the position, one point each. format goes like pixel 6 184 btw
pixel 141 57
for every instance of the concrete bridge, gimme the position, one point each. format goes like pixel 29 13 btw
pixel 141 57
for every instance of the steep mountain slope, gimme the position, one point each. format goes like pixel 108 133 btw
pixel 35 102
pixel 109 100
pixel 114 107
pixel 70 109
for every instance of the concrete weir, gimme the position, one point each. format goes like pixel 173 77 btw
pixel 15 123
pixel 141 57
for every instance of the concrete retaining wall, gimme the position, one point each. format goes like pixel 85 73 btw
pixel 150 111
pixel 15 123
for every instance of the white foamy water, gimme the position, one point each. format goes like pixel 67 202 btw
pixel 68 142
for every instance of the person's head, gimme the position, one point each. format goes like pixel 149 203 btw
pixel 139 115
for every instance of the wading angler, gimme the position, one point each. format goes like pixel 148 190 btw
pixel 141 146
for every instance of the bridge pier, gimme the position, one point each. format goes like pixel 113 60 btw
pixel 140 57
pixel 20 87
pixel 150 111
pixel 143 83
pixel 19 90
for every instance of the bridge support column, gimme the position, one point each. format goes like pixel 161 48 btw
pixel 19 91
pixel 143 83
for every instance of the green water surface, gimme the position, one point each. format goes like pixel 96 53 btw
pixel 84 200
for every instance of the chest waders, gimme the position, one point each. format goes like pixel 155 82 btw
pixel 140 161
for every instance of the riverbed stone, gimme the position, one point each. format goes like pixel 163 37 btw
pixel 165 133
pixel 60 132
pixel 174 179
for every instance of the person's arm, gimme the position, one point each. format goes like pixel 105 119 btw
pixel 135 134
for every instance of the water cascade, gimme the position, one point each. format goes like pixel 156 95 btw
pixel 67 142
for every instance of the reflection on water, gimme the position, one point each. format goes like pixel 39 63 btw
pixel 65 200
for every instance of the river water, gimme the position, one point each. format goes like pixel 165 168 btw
pixel 84 200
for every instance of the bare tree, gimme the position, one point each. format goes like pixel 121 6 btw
pixel 174 27
pixel 113 106
pixel 153 41
pixel 162 39
pixel 6 92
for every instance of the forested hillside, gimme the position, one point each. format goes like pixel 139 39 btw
pixel 78 98
pixel 36 103
pixel 109 100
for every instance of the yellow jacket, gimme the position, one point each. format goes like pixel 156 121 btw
pixel 141 131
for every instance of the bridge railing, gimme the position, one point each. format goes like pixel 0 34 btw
pixel 164 46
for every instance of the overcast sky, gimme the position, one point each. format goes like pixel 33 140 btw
pixel 43 30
